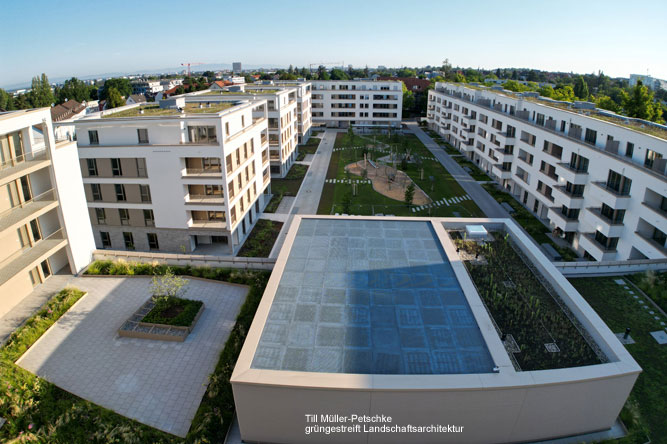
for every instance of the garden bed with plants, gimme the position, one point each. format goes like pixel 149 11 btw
pixel 261 239
pixel 654 284
pixel 288 186
pixel 537 328
pixel 309 147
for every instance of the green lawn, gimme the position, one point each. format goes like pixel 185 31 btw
pixel 261 239
pixel 308 148
pixel 288 186
pixel 368 201
pixel 654 284
pixel 646 409
pixel 475 171
pixel 528 221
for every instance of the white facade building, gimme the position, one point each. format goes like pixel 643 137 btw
pixel 359 103
pixel 600 184
pixel 42 200
pixel 649 81
pixel 237 67
pixel 159 179
pixel 282 119
pixel 303 105
pixel 146 87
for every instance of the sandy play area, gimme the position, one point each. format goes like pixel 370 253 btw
pixel 393 189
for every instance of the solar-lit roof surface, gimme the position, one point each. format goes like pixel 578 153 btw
pixel 370 297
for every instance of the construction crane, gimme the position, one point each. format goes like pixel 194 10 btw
pixel 317 65
pixel 189 64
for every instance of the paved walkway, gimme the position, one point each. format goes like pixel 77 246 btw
pixel 158 383
pixel 286 204
pixel 31 303
pixel 484 201
pixel 308 197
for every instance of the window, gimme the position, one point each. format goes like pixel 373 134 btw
pixel 106 239
pixel 578 163
pixel 149 218
pixel 202 134
pixel 93 137
pixel 129 240
pixel 591 136
pixel 629 149
pixel 227 128
pixel 101 216
pixel 152 241
pixel 120 192
pixel 142 135
pixel 92 167
pixel 574 190
pixel 233 214
pixel 228 161
pixel 124 215
pixel 116 168
pixel 615 216
pixel 141 167
pixel 96 191
pixel 619 183
pixel 145 191
pixel 540 119
pixel 651 157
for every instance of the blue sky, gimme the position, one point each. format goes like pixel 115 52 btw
pixel 76 37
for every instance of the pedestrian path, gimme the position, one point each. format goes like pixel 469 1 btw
pixel 639 297
pixel 441 202
pixel 347 181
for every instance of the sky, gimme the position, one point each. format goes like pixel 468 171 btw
pixel 65 38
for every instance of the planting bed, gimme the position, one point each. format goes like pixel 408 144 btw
pixel 170 319
pixel 529 315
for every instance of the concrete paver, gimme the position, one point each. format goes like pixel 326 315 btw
pixel 158 383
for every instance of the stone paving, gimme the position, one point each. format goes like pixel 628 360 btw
pixel 659 335
pixel 158 383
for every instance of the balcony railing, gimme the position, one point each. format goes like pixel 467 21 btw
pixel 203 171
pixel 25 209
pixel 208 199
pixel 35 155
pixel 27 255
pixel 602 247
pixel 654 243
pixel 611 190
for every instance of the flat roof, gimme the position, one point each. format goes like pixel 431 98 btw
pixel 155 110
pixel 370 297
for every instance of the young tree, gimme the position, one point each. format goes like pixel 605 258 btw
pixel 6 100
pixel 114 99
pixel 168 285
pixel 546 91
pixel 581 88
pixel 563 92
pixel 339 74
pixel 640 103
pixel 606 102
pixel 123 86
pixel 41 94
pixel 409 194
pixel 73 89
pixel 408 99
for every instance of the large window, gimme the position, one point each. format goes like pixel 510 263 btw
pixel 152 241
pixel 591 136
pixel 619 183
pixel 120 192
pixel 202 134
pixel 92 167
pixel 93 137
pixel 145 191
pixel 129 240
pixel 651 157
pixel 124 215
pixel 106 239
pixel 614 216
pixel 96 191
pixel 578 163
pixel 142 135
pixel 149 218
pixel 116 168
pixel 101 216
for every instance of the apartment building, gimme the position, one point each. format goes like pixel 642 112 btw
pixel 146 86
pixel 359 103
pixel 42 200
pixel 282 119
pixel 598 181
pixel 303 105
pixel 176 177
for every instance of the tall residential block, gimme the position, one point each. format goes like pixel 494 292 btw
pixel 598 180
pixel 41 204
pixel 176 177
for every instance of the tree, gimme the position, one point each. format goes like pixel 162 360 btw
pixel 287 76
pixel 606 102
pixel 513 85
pixel 347 203
pixel 406 72
pixel 640 104
pixel 546 91
pixel 322 73
pixel 339 74
pixel 114 99
pixel 459 78
pixel 41 94
pixel 563 92
pixel 123 86
pixel 168 285
pixel 6 100
pixel 581 88
pixel 73 89
pixel 350 135
pixel 408 98
pixel 409 194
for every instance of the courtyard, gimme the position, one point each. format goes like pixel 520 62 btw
pixel 157 383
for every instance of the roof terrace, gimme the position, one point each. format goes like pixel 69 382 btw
pixel 155 110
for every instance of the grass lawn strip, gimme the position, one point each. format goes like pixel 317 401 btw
pixel 646 409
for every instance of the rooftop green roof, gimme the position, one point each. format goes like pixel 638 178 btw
pixel 155 110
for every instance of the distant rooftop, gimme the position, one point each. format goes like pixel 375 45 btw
pixel 257 91
pixel 155 110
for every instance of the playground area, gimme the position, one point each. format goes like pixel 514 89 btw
pixel 348 190
pixel 387 180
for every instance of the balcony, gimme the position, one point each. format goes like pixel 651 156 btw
pixel 209 224
pixel 564 197
pixel 205 199
pixel 598 251
pixel 28 210
pixel 504 156
pixel 652 243
pixel 203 172
pixel 603 224
pixel 656 216
pixel 25 164
pixel 562 221
pixel 610 196
pixel 570 174
pixel 30 256
pixel 500 172
pixel 267 178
